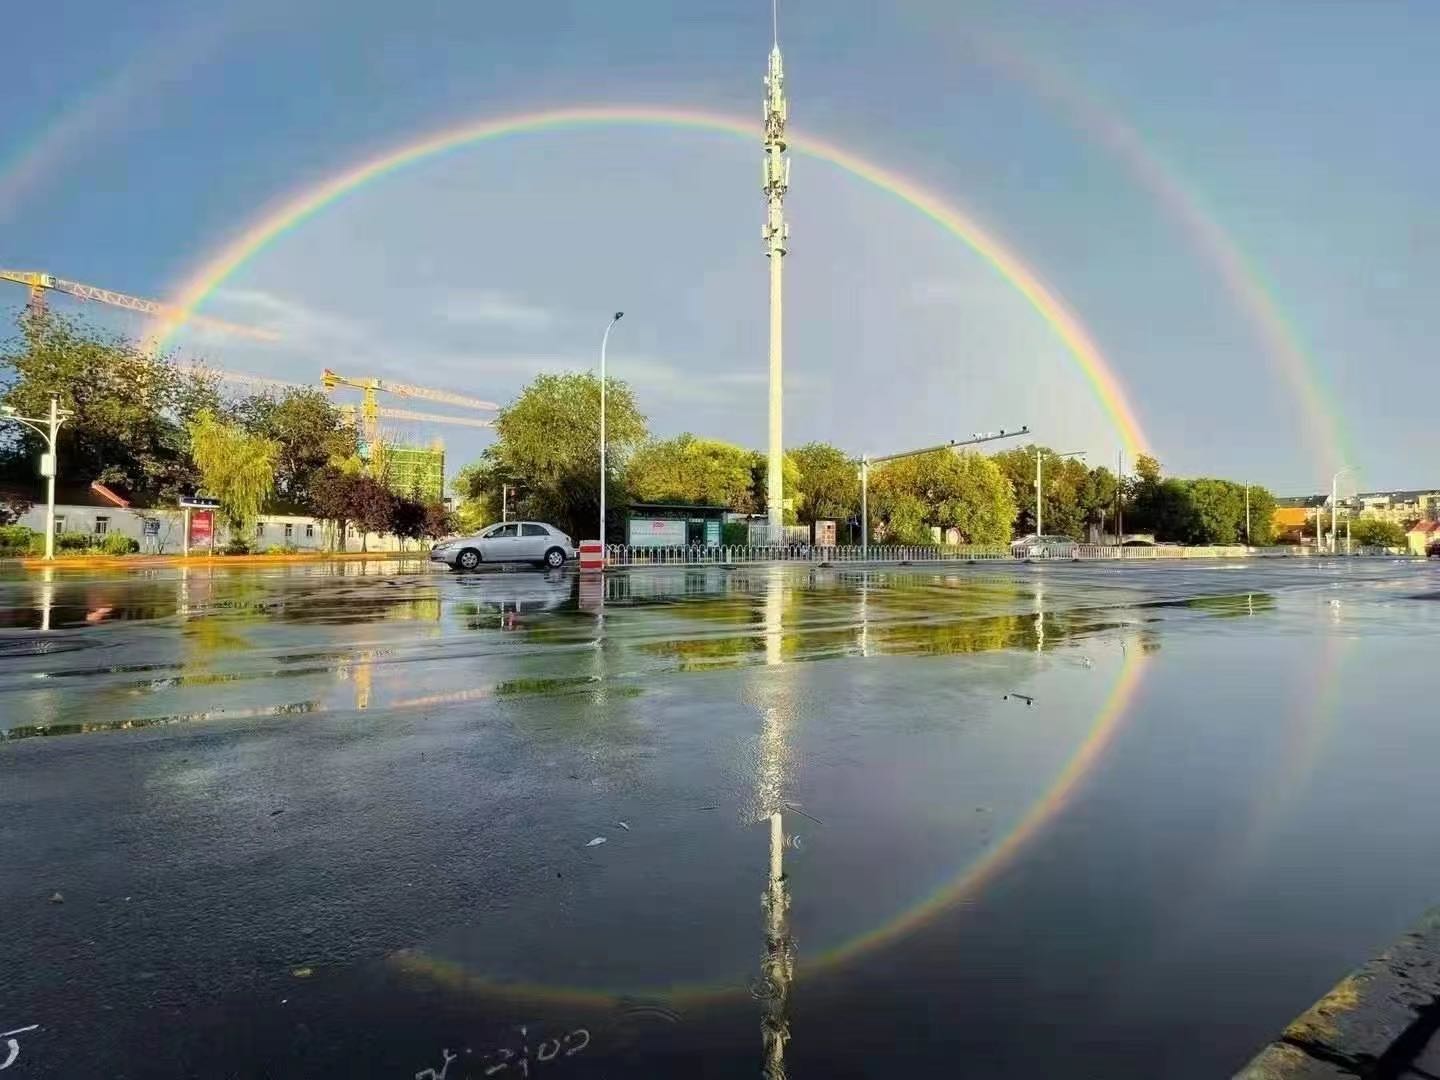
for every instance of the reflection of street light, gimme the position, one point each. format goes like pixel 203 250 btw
pixel 47 461
pixel 1335 507
pixel 1039 499
pixel 603 342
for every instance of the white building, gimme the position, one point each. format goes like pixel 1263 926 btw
pixel 99 511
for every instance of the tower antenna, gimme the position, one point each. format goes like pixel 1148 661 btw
pixel 777 241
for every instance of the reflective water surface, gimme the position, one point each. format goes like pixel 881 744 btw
pixel 369 819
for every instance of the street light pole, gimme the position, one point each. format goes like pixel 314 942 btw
pixel 603 342
pixel 1039 498
pixel 865 507
pixel 1335 509
pixel 1247 513
pixel 48 467
pixel 50 432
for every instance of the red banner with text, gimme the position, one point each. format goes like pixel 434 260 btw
pixel 202 528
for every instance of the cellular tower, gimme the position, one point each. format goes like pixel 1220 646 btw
pixel 777 237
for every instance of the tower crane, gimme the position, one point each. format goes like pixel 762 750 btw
pixel 381 412
pixel 39 283
pixel 370 410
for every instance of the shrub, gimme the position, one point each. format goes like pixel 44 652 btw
pixel 73 541
pixel 281 549
pixel 15 539
pixel 734 533
pixel 237 547
pixel 120 544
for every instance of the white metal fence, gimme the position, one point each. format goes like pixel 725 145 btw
pixel 624 555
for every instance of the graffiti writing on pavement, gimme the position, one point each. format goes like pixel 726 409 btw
pixel 517 1060
pixel 10 1047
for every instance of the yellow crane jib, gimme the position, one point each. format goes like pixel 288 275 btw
pixel 38 282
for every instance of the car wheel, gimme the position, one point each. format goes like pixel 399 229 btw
pixel 468 559
pixel 554 558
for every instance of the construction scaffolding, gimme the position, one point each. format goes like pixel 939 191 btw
pixel 417 472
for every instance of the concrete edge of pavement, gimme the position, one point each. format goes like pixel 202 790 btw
pixel 122 562
pixel 1373 1023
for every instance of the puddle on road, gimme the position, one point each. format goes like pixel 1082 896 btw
pixel 209 644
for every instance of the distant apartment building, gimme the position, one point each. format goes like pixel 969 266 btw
pixel 1399 507
pixel 1295 515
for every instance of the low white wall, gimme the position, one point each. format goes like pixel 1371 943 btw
pixel 305 533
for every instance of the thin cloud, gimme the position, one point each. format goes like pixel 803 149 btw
pixel 488 307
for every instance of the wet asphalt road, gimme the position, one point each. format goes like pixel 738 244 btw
pixel 339 821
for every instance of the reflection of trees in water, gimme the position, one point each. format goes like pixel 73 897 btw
pixel 828 613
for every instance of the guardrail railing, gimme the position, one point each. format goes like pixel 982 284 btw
pixel 624 555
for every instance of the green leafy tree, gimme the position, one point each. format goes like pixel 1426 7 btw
pixel 1262 516
pixel 1217 511
pixel 478 487
pixel 687 469
pixel 967 492
pixel 1147 469
pixel 310 432
pixel 1066 481
pixel 1204 510
pixel 1372 532
pixel 548 442
pixel 1097 496
pixel 130 411
pixel 760 483
pixel 828 484
pixel 236 467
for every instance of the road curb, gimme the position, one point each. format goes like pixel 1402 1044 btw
pixel 123 562
pixel 1371 1024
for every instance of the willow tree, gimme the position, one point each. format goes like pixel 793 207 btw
pixel 236 467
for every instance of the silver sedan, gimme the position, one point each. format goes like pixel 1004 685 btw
pixel 509 542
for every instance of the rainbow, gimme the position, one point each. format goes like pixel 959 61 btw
pixel 294 211
pixel 968 883
pixel 1243 280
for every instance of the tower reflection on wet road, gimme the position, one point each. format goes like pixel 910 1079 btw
pixel 777 968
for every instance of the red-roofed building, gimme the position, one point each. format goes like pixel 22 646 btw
pixel 1422 536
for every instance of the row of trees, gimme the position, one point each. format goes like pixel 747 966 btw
pixel 159 431
pixel 547 450
pixel 547 453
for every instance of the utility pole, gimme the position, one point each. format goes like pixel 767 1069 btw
pixel 604 341
pixel 1335 509
pixel 867 461
pixel 865 507
pixel 1119 497
pixel 777 238
pixel 47 466
pixel 1247 513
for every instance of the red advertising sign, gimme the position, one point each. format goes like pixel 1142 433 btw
pixel 202 528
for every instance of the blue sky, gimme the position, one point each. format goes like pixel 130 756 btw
pixel 153 132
